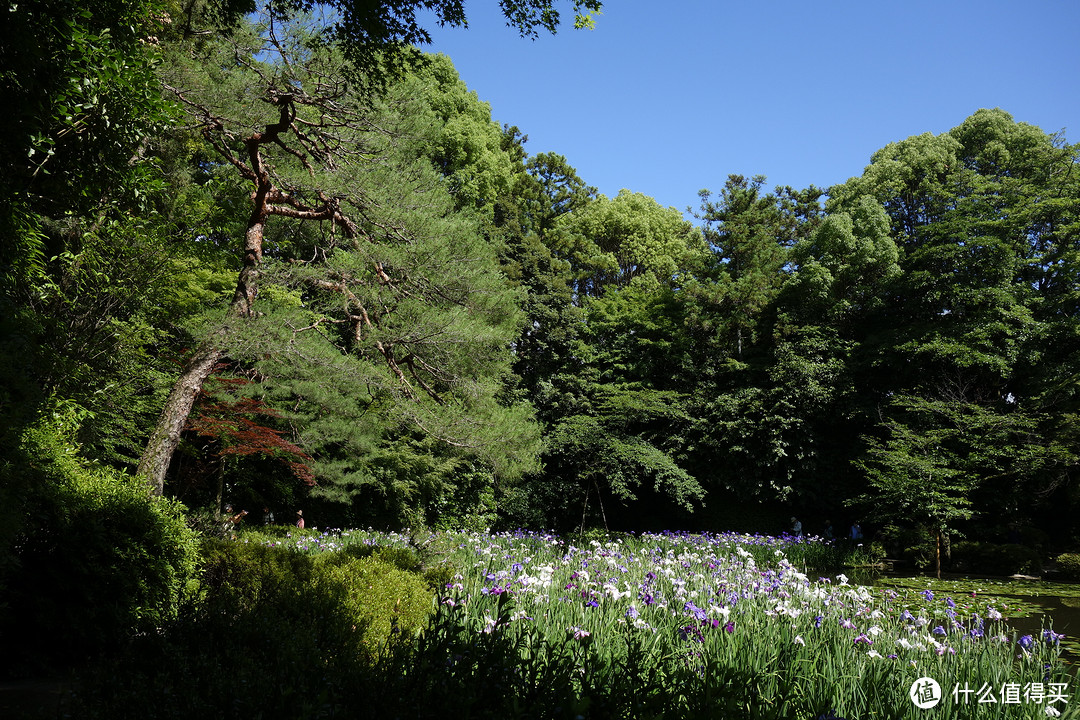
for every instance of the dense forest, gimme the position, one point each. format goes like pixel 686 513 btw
pixel 282 260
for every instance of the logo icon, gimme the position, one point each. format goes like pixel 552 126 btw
pixel 925 693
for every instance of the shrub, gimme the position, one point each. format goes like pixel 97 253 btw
pixel 97 558
pixel 402 558
pixel 271 632
pixel 993 559
pixel 438 577
pixel 389 603
pixel 346 603
pixel 1069 565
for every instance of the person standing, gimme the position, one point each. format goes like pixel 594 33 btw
pixel 796 527
pixel 300 519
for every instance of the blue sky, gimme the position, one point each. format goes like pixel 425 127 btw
pixel 669 98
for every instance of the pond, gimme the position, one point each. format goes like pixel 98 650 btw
pixel 1028 605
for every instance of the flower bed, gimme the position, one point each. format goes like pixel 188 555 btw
pixel 721 625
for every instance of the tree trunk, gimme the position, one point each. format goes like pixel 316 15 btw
pixel 937 553
pixel 156 458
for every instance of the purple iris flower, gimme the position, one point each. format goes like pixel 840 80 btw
pixel 691 633
pixel 929 595
pixel 939 630
pixel 1026 642
pixel 950 603
pixel 1052 637
pixel 694 610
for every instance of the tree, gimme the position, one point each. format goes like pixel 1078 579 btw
pixel 382 325
pixel 751 235
pixel 82 98
pixel 611 242
pixel 312 130
pixel 376 37
pixel 956 338
pixel 841 268
pixel 914 475
pixel 314 118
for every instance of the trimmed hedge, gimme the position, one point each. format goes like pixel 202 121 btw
pixel 358 604
pixel 1069 565
pixel 270 632
pixel 993 559
pixel 96 559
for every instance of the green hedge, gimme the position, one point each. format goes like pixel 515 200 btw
pixel 1069 565
pixel 95 559
pixel 993 559
pixel 344 602
pixel 270 632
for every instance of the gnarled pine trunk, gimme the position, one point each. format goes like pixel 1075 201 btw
pixel 156 458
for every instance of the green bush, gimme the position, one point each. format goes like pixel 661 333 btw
pixel 96 559
pixel 260 637
pixel 1069 565
pixel 993 559
pixel 438 577
pixel 349 604
pixel 405 559
pixel 270 632
pixel 389 603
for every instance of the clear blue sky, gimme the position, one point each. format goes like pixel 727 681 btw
pixel 666 98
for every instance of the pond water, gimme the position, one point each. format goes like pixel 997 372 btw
pixel 1029 606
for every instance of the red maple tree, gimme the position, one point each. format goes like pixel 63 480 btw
pixel 238 427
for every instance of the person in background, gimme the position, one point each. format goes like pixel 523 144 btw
pixel 856 532
pixel 228 526
pixel 300 519
pixel 828 532
pixel 796 527
pixel 268 516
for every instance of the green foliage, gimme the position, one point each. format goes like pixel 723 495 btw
pixel 402 558
pixel 611 243
pixel 80 82
pixel 286 632
pixel 465 144
pixel 386 350
pixel 347 604
pixel 995 559
pixel 1069 565
pixel 391 603
pixel 96 559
